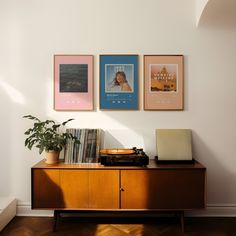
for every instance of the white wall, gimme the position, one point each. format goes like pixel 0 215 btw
pixel 33 31
pixel 200 5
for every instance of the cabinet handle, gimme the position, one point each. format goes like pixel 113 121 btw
pixel 121 189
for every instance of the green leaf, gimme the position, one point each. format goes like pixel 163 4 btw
pixel 41 149
pixel 49 121
pixel 31 117
pixel 55 127
pixel 27 132
pixel 65 122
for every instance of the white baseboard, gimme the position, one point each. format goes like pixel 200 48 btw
pixel 212 210
pixel 24 209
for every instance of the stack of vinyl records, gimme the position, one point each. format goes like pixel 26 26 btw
pixel 88 149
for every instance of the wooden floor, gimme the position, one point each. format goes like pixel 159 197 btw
pixel 42 226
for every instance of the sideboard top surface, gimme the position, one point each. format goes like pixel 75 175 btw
pixel 98 166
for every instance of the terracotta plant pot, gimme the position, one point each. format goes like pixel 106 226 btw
pixel 52 157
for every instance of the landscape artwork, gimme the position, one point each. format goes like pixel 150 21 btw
pixel 73 78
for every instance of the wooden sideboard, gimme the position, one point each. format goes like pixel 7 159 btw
pixel 157 187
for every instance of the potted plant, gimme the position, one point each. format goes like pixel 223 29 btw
pixel 48 136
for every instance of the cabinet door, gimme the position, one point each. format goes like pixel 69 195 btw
pixel 104 189
pixel 162 189
pixel 74 187
pixel 46 192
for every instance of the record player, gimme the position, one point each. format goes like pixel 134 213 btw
pixel 124 157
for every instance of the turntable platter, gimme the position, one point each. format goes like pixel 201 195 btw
pixel 116 151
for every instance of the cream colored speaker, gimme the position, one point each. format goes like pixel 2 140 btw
pixel 174 144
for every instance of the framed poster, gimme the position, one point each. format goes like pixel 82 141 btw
pixel 163 82
pixel 73 82
pixel 119 82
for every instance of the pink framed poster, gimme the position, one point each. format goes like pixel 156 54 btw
pixel 73 82
pixel 163 82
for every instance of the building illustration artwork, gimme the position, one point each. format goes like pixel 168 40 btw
pixel 163 78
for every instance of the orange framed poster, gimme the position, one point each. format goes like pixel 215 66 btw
pixel 163 82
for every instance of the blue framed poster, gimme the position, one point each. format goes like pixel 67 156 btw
pixel 119 82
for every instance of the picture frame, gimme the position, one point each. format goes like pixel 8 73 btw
pixel 119 82
pixel 163 82
pixel 73 82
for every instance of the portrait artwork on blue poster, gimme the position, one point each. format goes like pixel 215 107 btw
pixel 119 82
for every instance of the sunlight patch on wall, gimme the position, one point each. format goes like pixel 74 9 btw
pixel 14 94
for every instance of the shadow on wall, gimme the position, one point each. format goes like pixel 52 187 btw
pixel 140 132
pixel 219 14
pixel 220 181
pixel 110 141
pixel 131 137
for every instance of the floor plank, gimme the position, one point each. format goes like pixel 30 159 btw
pixel 102 226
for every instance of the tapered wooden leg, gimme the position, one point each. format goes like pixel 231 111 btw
pixel 182 220
pixel 56 219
